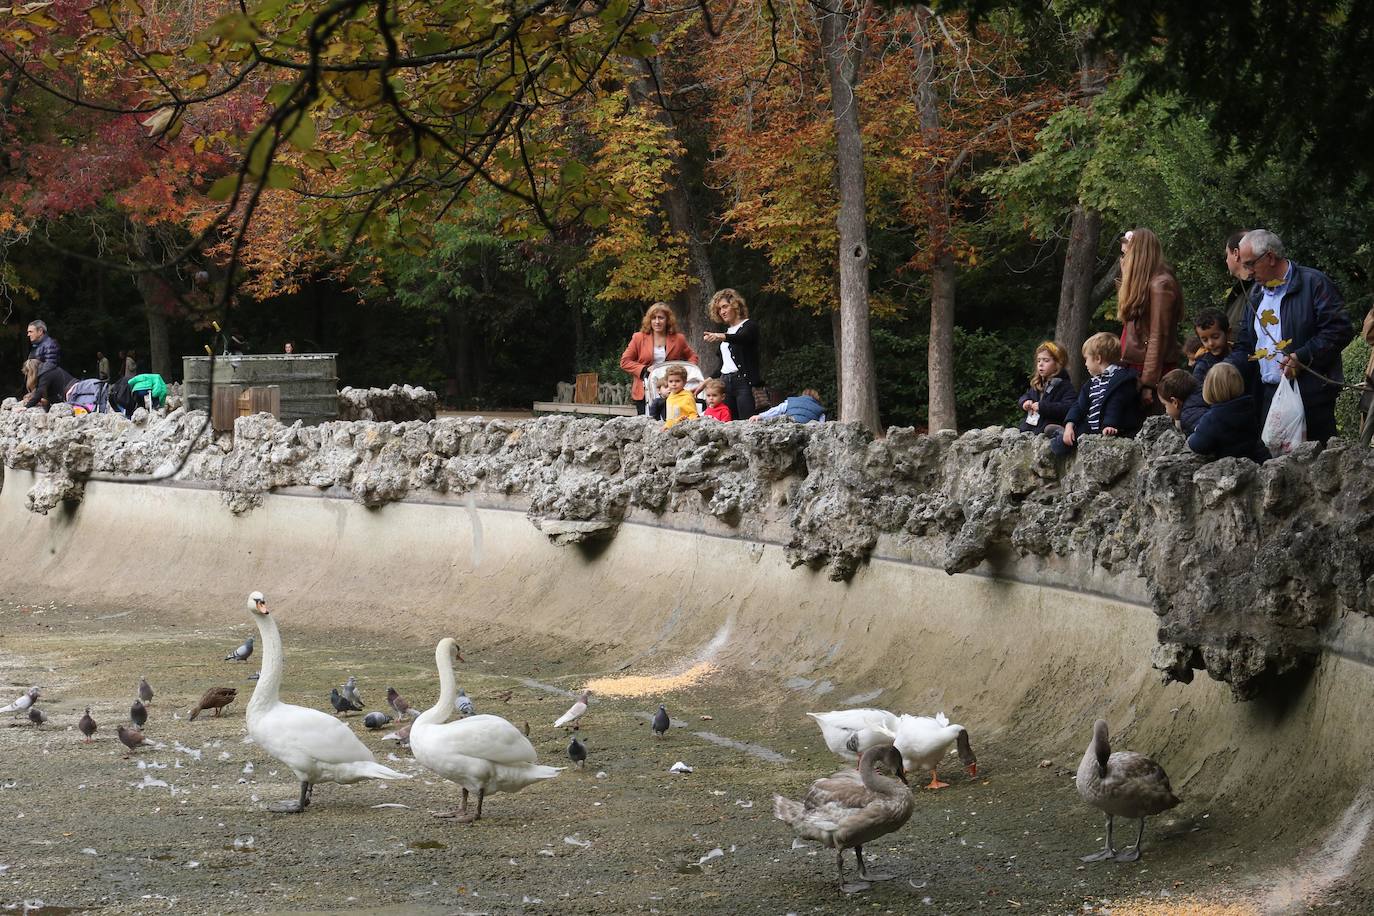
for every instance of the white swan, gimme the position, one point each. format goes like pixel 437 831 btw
pixel 850 732
pixel 315 746
pixel 924 741
pixel 483 754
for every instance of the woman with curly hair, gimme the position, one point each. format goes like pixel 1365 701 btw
pixel 658 340
pixel 739 352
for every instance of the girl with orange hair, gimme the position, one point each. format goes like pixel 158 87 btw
pixel 1047 401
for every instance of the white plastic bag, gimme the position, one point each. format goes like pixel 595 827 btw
pixel 1286 426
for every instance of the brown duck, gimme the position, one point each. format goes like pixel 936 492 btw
pixel 215 698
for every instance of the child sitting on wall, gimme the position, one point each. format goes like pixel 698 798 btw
pixel 1230 428
pixel 1050 395
pixel 681 404
pixel 1182 397
pixel 803 408
pixel 658 407
pixel 713 389
pixel 1109 404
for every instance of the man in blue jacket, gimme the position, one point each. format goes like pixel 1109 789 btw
pixel 1311 318
pixel 44 348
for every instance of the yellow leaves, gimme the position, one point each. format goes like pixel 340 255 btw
pixel 1268 319
pixel 100 17
pixel 198 81
pixel 21 36
pixel 1283 344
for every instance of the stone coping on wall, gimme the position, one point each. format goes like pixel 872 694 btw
pixel 1247 566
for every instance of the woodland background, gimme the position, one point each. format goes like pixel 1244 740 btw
pixel 482 197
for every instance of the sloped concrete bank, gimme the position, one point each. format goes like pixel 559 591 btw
pixel 772 547
pixel 1251 570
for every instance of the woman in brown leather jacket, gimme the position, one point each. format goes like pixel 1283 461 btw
pixel 1149 305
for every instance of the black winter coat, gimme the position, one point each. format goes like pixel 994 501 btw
pixel 1055 402
pixel 1230 429
pixel 1120 406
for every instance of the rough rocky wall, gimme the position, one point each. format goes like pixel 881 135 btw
pixel 398 403
pixel 1245 565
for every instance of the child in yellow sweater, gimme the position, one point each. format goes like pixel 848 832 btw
pixel 682 404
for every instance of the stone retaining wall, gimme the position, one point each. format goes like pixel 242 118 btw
pixel 1248 567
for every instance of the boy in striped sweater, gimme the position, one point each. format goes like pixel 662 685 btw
pixel 1109 404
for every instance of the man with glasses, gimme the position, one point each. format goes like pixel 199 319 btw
pixel 1311 318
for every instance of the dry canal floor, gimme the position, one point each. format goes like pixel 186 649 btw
pixel 182 828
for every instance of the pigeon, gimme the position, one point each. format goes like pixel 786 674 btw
pixel 131 738
pixel 575 712
pixel 398 703
pixel 340 703
pixel 242 653
pixel 577 752
pixel 661 721
pixel 462 704
pixel 401 735
pixel 37 716
pixel 87 725
pixel 145 693
pixel 351 694
pixel 138 713
pixel 24 701
pixel 215 698
pixel 376 720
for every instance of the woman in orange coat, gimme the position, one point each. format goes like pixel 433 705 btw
pixel 1149 305
pixel 657 341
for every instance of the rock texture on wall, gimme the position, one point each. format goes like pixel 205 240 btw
pixel 396 404
pixel 1245 565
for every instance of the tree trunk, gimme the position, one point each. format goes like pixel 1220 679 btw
pixel 153 292
pixel 1075 291
pixel 692 303
pixel 941 408
pixel 836 340
pixel 858 382
pixel 944 414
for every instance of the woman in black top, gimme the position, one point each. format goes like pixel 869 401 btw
pixel 47 386
pixel 739 351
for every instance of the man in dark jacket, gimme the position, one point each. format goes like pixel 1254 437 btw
pixel 1301 308
pixel 44 348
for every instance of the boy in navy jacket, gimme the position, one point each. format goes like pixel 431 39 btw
pixel 1109 403
pixel 1230 428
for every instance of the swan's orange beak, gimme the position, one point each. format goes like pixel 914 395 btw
pixel 972 769
pixel 261 607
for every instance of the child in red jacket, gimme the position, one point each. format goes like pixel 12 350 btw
pixel 714 391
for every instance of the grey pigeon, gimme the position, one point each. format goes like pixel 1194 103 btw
pixel 398 703
pixel 463 704
pixel 37 716
pixel 577 752
pixel 24 702
pixel 340 704
pixel 242 653
pixel 376 720
pixel 138 713
pixel 351 694
pixel 661 721
pixel 87 725
pixel 131 738
pixel 145 693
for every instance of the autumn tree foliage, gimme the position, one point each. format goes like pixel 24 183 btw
pixel 937 102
